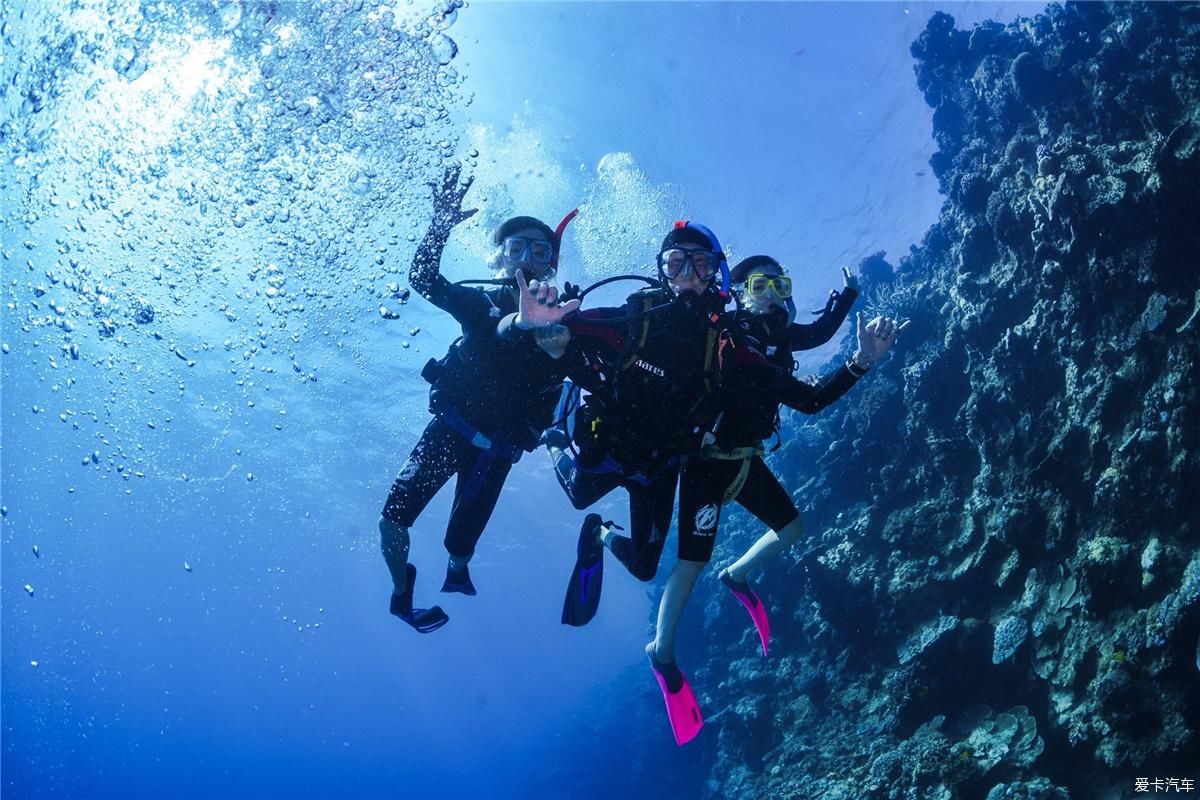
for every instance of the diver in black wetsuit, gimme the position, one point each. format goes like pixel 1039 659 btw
pixel 651 370
pixel 732 467
pixel 490 399
pixel 766 313
pixel 705 483
pixel 765 317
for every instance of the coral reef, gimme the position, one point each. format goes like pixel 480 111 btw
pixel 1020 530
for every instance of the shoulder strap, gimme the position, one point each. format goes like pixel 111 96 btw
pixel 639 328
pixel 713 354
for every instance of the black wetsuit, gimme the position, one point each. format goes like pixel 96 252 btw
pixel 652 386
pixel 750 418
pixel 732 467
pixel 491 399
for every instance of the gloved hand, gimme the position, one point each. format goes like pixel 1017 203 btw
pixel 448 197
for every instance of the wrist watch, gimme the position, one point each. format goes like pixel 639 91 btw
pixel 856 369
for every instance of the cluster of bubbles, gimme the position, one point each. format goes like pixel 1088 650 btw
pixel 627 216
pixel 225 186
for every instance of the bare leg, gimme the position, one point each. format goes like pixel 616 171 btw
pixel 768 546
pixel 670 608
pixel 394 541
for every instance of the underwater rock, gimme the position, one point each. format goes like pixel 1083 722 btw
pixel 1036 789
pixel 922 639
pixel 993 740
pixel 1030 82
pixel 1010 635
pixel 875 270
pixel 1149 559
pixel 143 312
pixel 1047 428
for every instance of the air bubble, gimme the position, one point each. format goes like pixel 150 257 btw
pixel 444 48
pixel 445 18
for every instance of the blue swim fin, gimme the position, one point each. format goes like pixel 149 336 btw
pixel 683 711
pixel 583 592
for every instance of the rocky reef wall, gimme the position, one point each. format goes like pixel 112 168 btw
pixel 998 594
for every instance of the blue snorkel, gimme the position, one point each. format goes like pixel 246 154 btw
pixel 726 278
pixel 790 305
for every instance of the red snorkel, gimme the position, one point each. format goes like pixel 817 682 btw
pixel 558 234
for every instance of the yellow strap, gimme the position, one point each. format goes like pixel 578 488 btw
pixel 735 486
pixel 736 454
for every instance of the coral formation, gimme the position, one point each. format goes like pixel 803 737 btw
pixel 1020 530
pixel 1010 635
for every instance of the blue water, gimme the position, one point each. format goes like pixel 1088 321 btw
pixel 206 608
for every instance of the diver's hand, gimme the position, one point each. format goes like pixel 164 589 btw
pixel 537 304
pixel 875 338
pixel 851 280
pixel 448 198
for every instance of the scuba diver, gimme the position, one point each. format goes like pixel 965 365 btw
pixel 731 467
pixel 651 370
pixel 726 469
pixel 766 314
pixel 708 480
pixel 656 371
pixel 474 435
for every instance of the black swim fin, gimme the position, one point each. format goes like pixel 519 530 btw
pixel 423 620
pixel 459 580
pixel 583 592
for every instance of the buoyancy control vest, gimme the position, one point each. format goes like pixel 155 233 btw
pixel 656 398
pixel 504 392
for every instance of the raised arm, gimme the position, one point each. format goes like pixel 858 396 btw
pixel 875 338
pixel 425 274
pixel 816 333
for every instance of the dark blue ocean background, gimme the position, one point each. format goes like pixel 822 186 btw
pixel 206 205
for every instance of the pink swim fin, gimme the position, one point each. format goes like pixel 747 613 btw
pixel 682 709
pixel 757 611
